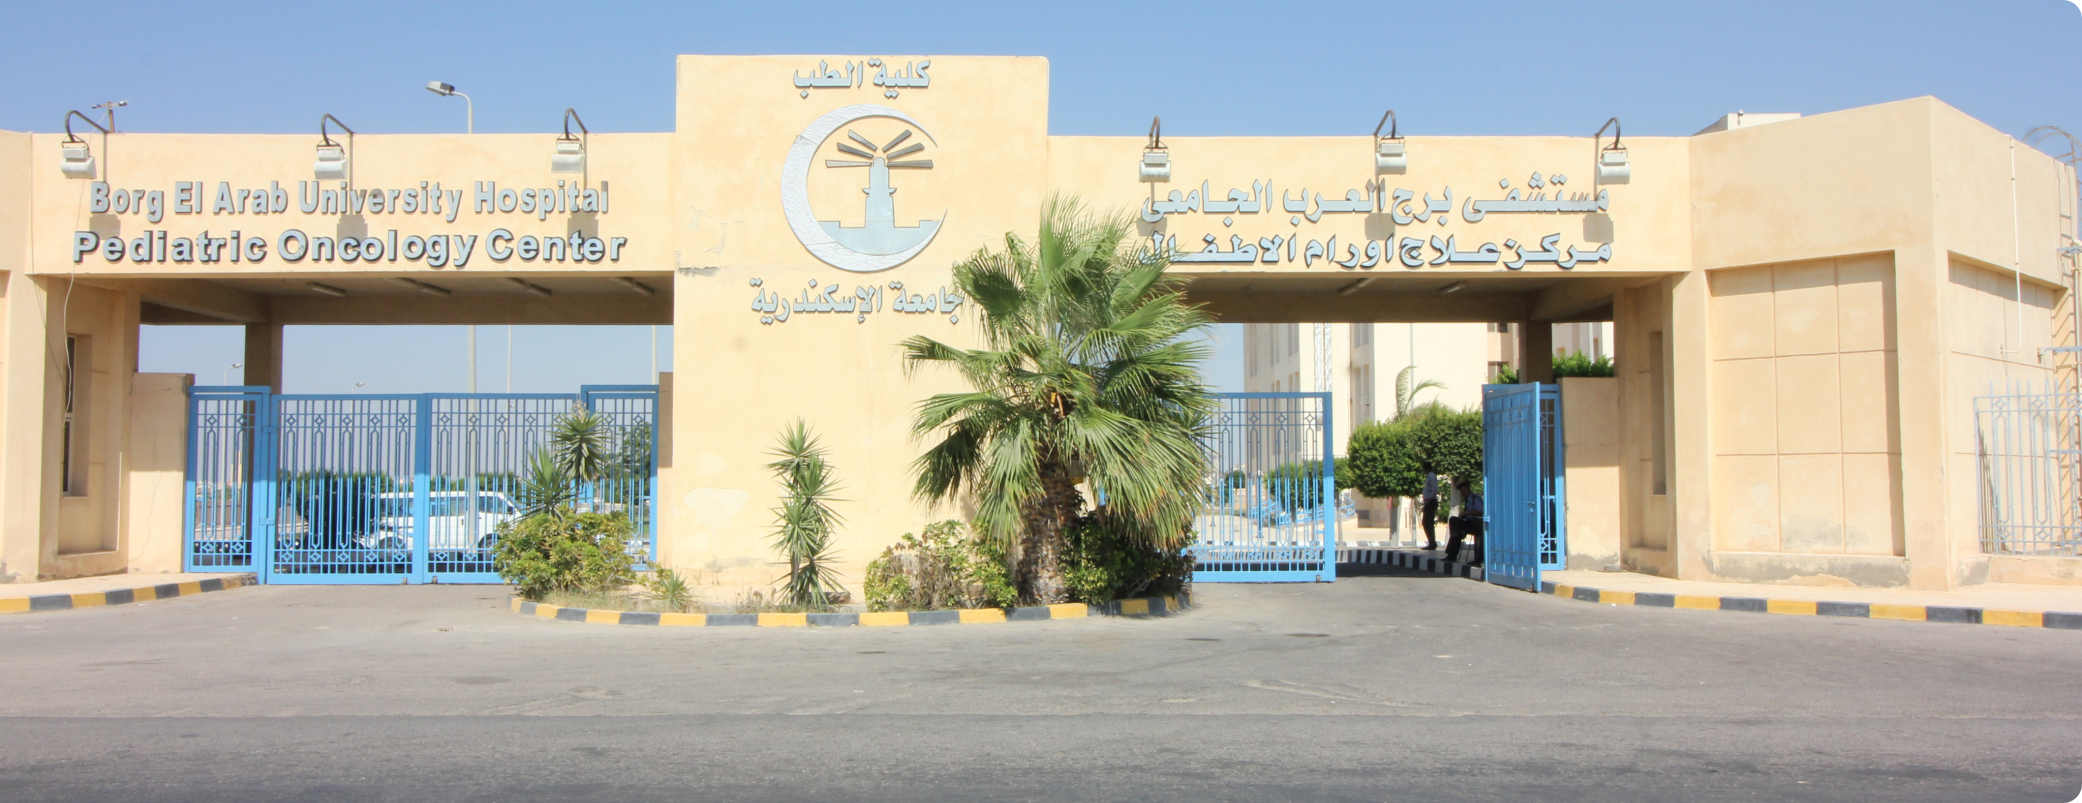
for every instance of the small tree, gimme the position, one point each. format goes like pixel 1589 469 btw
pixel 804 521
pixel 1406 389
pixel 1385 462
pixel 1449 442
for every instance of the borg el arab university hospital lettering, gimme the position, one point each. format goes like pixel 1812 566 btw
pixel 1844 342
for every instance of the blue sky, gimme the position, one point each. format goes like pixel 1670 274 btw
pixel 1302 69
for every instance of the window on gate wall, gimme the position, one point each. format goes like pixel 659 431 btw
pixel 1293 339
pixel 72 455
pixel 1659 439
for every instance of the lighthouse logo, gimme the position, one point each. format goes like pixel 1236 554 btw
pixel 880 242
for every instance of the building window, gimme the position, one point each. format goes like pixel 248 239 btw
pixel 1293 339
pixel 1250 349
pixel 72 460
pixel 1659 438
pixel 1362 334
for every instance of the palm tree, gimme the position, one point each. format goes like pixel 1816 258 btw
pixel 1406 393
pixel 1089 373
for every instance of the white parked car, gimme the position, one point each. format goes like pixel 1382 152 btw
pixel 453 522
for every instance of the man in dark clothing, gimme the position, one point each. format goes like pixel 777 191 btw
pixel 1431 511
pixel 1468 523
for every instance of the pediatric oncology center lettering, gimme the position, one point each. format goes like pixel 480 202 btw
pixel 294 245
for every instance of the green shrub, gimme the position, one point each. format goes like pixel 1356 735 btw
pixel 1506 375
pixel 1107 560
pixel 1577 363
pixel 1449 442
pixel 668 590
pixel 1295 486
pixel 947 566
pixel 581 552
pixel 1384 459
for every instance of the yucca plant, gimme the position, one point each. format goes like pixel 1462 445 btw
pixel 805 520
pixel 545 490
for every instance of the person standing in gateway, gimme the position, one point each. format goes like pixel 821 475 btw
pixel 1431 510
pixel 1469 523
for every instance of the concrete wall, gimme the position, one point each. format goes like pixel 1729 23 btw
pixel 1805 456
pixel 1591 454
pixel 1740 252
pixel 154 492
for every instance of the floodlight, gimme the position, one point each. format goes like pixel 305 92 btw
pixel 439 88
pixel 333 158
pixel 1156 160
pixel 1389 155
pixel 1611 161
pixel 77 160
pixel 570 156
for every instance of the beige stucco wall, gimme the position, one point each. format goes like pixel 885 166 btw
pixel 743 381
pixel 1591 457
pixel 1805 455
pixel 1824 290
pixel 154 492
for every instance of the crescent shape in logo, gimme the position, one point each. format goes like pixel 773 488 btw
pixel 795 193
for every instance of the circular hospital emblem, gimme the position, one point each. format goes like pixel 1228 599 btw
pixel 879 243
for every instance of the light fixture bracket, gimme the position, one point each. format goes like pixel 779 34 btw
pixel 570 156
pixel 1390 155
pixel 1156 158
pixel 1610 161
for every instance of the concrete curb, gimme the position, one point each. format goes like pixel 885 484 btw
pixel 1409 560
pixel 2058 620
pixel 1149 606
pixel 124 596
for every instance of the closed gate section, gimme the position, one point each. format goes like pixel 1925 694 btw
pixel 218 522
pixel 346 478
pixel 393 489
pixel 1271 512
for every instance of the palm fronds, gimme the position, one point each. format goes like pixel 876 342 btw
pixel 1090 373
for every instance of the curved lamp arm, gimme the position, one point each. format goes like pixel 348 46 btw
pixel 1156 133
pixel 1599 137
pixel 71 137
pixel 327 139
pixel 571 116
pixel 1389 122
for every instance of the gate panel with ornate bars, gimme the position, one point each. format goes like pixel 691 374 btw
pixel 391 488
pixel 1522 490
pixel 1271 514
pixel 2028 450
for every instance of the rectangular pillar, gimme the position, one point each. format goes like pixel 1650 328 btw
pixel 1536 341
pixel 264 355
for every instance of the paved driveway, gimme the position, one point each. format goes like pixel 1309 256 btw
pixel 1396 687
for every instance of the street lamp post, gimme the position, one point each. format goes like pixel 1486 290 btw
pixel 470 461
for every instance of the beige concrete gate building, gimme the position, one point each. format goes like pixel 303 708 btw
pixel 1803 312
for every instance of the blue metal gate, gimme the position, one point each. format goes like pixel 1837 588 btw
pixel 1522 483
pixel 1271 514
pixel 390 488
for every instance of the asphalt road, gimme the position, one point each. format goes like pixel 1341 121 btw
pixel 1395 687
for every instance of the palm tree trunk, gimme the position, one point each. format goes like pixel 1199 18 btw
pixel 1043 542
